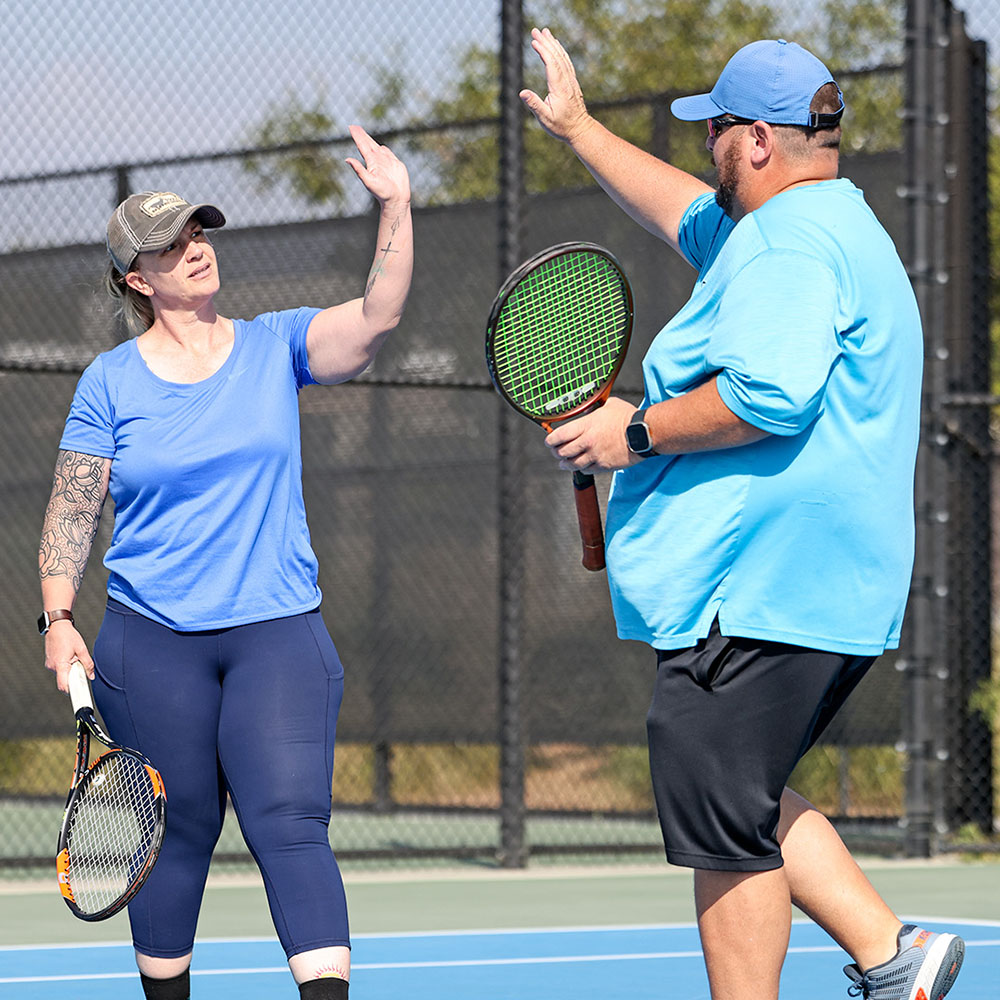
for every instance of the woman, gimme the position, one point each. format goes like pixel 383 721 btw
pixel 212 642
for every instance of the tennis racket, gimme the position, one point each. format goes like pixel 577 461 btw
pixel 555 342
pixel 115 817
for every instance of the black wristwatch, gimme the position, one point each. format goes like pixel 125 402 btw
pixel 637 436
pixel 46 618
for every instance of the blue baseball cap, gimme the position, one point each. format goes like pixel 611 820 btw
pixel 772 81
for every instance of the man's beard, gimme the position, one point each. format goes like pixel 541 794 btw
pixel 727 171
pixel 724 197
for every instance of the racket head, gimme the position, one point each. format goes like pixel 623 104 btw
pixel 559 330
pixel 111 833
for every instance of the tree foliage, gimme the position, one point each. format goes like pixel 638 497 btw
pixel 857 34
pixel 309 170
pixel 624 48
pixel 621 49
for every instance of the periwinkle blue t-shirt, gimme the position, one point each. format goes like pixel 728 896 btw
pixel 805 314
pixel 206 478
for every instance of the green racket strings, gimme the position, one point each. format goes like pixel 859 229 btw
pixel 559 333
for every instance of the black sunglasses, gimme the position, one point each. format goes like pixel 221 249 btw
pixel 718 125
pixel 817 121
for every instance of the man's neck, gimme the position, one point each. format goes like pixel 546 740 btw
pixel 766 188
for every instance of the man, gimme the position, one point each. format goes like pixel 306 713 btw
pixel 760 523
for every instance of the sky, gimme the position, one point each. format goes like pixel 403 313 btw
pixel 93 81
pixel 98 82
pixel 983 21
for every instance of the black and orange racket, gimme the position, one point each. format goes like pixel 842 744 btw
pixel 115 817
pixel 555 342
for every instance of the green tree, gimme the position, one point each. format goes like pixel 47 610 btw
pixel 621 49
pixel 627 48
pixel 308 168
pixel 856 34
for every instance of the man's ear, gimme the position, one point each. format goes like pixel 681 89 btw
pixel 763 143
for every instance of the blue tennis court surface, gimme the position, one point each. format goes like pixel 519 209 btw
pixel 661 961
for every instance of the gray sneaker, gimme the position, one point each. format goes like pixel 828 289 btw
pixel 923 968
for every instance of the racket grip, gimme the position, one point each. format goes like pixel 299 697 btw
pixel 79 687
pixel 588 513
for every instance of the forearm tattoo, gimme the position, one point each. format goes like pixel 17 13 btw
pixel 379 266
pixel 79 487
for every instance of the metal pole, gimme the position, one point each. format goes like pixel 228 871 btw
pixel 977 737
pixel 123 188
pixel 917 744
pixel 966 776
pixel 513 852
pixel 123 184
pixel 936 335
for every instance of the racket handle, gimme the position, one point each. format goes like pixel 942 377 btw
pixel 588 513
pixel 79 687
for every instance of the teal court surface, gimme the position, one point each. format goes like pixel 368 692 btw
pixel 548 933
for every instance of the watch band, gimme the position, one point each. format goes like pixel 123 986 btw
pixel 46 618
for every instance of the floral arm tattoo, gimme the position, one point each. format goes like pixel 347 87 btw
pixel 79 488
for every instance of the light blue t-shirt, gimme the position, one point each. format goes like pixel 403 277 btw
pixel 210 525
pixel 805 313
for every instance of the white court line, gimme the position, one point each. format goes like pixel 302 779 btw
pixel 924 921
pixel 396 935
pixel 450 964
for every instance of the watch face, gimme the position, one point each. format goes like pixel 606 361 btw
pixel 637 436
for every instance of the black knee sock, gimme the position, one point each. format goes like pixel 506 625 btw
pixel 174 988
pixel 329 988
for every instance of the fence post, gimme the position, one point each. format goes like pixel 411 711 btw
pixel 968 794
pixel 925 120
pixel 123 188
pixel 123 184
pixel 513 851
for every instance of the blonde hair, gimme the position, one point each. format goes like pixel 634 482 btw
pixel 134 308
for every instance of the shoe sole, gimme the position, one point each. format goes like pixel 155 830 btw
pixel 940 968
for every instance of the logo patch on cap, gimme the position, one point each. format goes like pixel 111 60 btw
pixel 162 201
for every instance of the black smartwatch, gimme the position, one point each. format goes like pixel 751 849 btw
pixel 46 618
pixel 637 436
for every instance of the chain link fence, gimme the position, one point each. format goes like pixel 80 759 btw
pixel 489 710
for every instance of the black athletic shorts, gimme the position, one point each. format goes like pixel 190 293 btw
pixel 730 719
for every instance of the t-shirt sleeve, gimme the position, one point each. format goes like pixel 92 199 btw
pixel 90 425
pixel 775 341
pixel 292 325
pixel 701 225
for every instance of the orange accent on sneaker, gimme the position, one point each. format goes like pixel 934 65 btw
pixel 921 995
pixel 918 942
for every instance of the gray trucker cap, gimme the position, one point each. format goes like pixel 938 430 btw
pixel 152 220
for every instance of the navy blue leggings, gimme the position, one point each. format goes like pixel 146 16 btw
pixel 251 711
